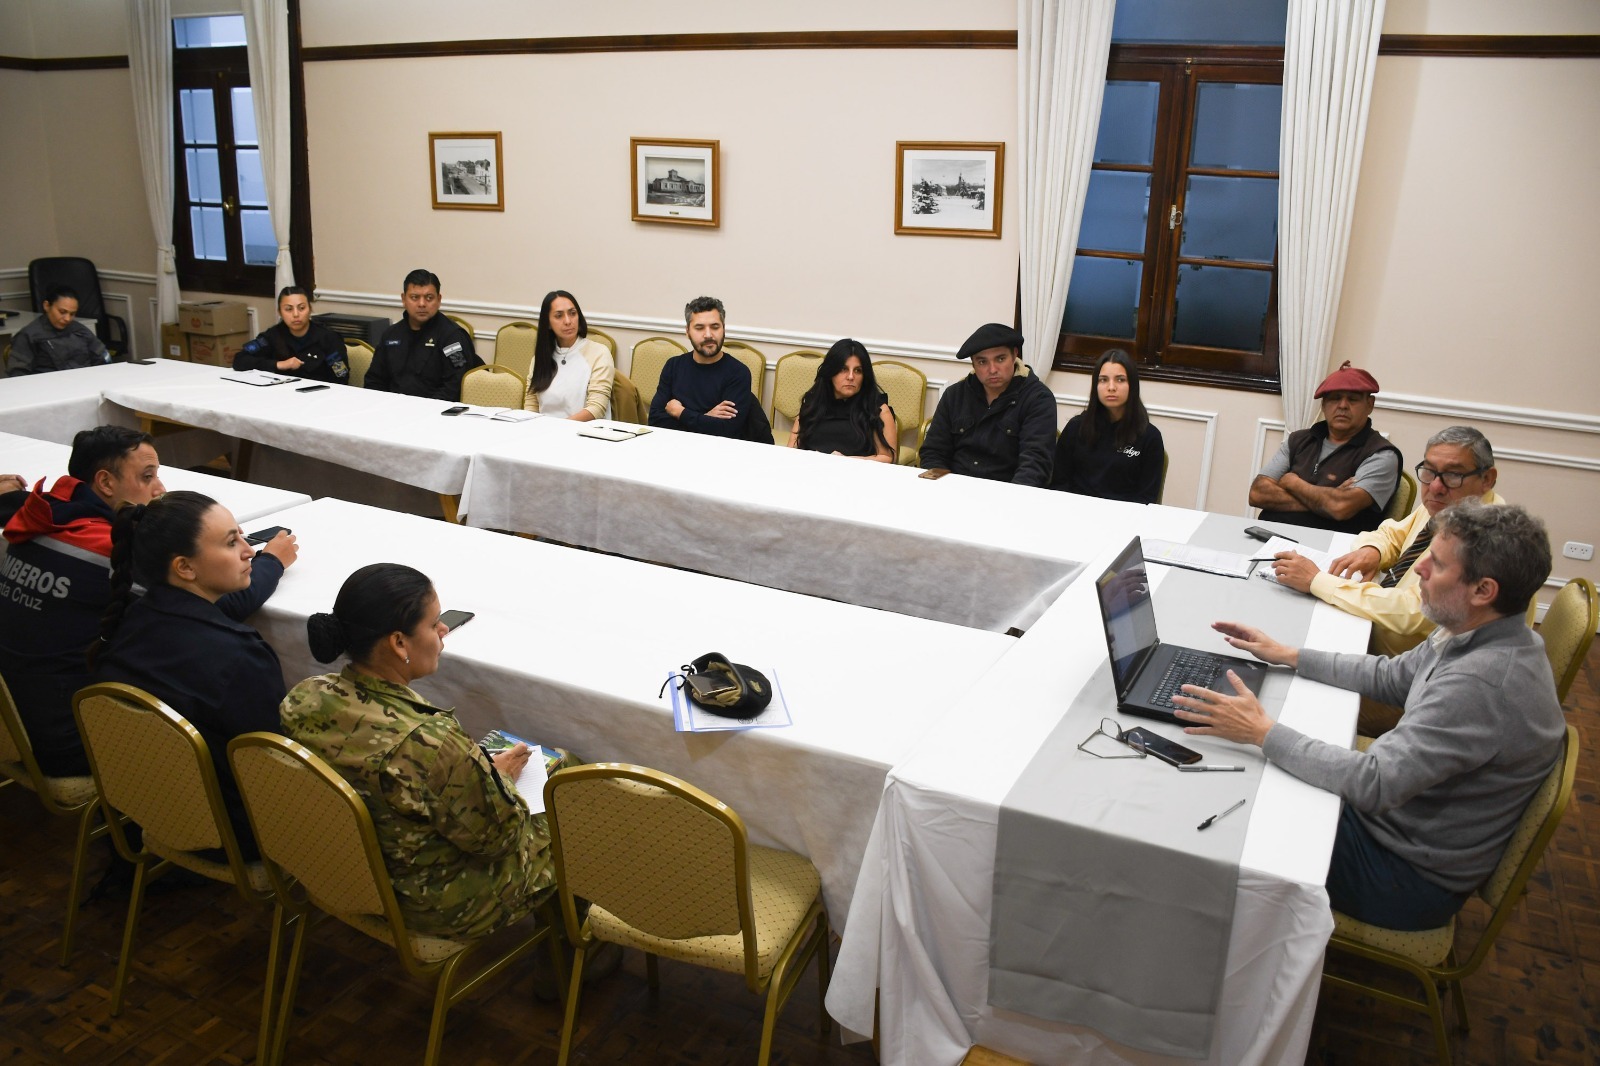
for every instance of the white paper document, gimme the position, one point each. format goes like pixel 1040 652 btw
pixel 1191 557
pixel 1282 544
pixel 530 782
pixel 498 414
pixel 601 430
pixel 257 378
pixel 689 717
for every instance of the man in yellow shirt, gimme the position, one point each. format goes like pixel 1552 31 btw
pixel 1377 578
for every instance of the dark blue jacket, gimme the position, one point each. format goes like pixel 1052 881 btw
pixel 700 387
pixel 430 361
pixel 1012 439
pixel 321 353
pixel 206 664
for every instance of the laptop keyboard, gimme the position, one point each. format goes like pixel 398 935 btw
pixel 1186 668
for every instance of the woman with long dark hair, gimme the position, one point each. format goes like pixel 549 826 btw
pixel 845 412
pixel 465 854
pixel 571 375
pixel 185 640
pixel 1111 450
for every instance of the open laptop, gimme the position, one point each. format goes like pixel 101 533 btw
pixel 1145 671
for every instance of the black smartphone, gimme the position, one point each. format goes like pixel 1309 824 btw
pixel 454 410
pixel 261 536
pixel 1167 751
pixel 1263 534
pixel 454 620
pixel 311 388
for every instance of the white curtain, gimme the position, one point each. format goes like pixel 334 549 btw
pixel 1329 56
pixel 266 30
pixel 150 67
pixel 1062 48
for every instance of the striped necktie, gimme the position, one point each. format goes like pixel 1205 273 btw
pixel 1409 557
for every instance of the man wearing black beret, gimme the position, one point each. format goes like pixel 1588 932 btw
pixel 995 423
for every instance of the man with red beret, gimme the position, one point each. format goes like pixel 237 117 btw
pixel 1340 473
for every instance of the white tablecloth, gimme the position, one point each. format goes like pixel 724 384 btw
pixel 35 459
pixel 918 933
pixel 570 647
pixel 959 549
pixel 54 406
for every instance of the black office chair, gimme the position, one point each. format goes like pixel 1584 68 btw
pixel 81 275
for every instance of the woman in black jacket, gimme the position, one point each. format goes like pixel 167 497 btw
pixel 297 345
pixel 845 412
pixel 1111 450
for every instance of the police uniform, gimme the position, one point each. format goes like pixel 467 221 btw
pixel 465 854
pixel 321 353
pixel 423 362
pixel 39 347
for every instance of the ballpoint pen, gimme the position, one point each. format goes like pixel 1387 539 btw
pixel 1200 768
pixel 1207 823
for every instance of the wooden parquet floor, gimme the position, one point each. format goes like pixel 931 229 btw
pixel 195 993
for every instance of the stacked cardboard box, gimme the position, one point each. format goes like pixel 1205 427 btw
pixel 213 331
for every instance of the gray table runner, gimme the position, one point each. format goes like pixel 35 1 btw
pixel 1110 909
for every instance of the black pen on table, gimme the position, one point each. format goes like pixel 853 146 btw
pixel 1207 823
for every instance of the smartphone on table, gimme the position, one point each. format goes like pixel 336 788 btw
pixel 1168 751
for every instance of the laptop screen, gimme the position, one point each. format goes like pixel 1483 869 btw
pixel 1129 616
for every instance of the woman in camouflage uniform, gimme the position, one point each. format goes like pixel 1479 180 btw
pixel 465 854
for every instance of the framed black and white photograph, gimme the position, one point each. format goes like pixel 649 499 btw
pixel 676 181
pixel 467 175
pixel 948 189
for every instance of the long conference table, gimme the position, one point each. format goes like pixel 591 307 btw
pixel 888 793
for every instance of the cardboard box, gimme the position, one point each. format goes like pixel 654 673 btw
pixel 216 351
pixel 174 342
pixel 217 318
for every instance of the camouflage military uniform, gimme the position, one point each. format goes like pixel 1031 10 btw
pixel 465 855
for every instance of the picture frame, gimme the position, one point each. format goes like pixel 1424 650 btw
pixel 468 174
pixel 949 188
pixel 677 181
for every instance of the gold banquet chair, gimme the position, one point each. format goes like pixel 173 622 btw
pixel 791 379
pixel 64 797
pixel 1429 955
pixel 493 386
pixel 907 389
pixel 627 405
pixel 153 767
pixel 513 347
pixel 600 336
pixel 644 367
pixel 668 870
pixel 358 353
pixel 464 324
pixel 754 361
pixel 1404 498
pixel 321 848
pixel 1568 630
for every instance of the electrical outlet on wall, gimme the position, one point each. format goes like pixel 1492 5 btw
pixel 1578 550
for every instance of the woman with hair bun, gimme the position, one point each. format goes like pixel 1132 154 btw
pixel 845 412
pixel 465 854
pixel 185 640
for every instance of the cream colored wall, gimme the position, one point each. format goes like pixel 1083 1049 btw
pixel 1491 16
pixel 27 208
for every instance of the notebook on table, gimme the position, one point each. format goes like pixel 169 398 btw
pixel 1146 672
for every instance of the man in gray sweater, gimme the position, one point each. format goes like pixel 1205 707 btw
pixel 1429 807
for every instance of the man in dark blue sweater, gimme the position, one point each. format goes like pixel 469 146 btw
pixel 704 390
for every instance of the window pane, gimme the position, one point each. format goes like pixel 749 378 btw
pixel 1230 218
pixel 244 118
pixel 1236 126
pixel 199 118
pixel 205 180
pixel 252 186
pixel 1221 307
pixel 1201 21
pixel 1115 211
pixel 206 225
pixel 1103 299
pixel 1127 122
pixel 209 31
pixel 260 245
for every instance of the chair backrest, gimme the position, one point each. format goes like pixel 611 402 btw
pixel 1526 847
pixel 16 750
pixel 464 324
pixel 313 827
pixel 907 389
pixel 600 336
pixel 626 403
pixel 358 353
pixel 792 378
pixel 513 347
pixel 1568 630
pixel 72 270
pixel 656 852
pixel 1404 498
pixel 644 367
pixel 754 360
pixel 493 385
pixel 150 764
